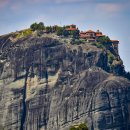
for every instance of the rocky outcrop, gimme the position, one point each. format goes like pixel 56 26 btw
pixel 50 85
pixel 96 98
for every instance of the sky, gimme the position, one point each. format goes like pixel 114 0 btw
pixel 112 17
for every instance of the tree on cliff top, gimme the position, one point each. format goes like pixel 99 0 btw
pixel 105 40
pixel 48 29
pixel 60 31
pixel 75 34
pixel 37 26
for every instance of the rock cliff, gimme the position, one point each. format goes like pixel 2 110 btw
pixel 49 84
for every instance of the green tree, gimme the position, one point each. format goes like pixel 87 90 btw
pixel 37 26
pixel 127 75
pixel 67 26
pixel 105 40
pixel 65 33
pixel 60 31
pixel 34 26
pixel 41 26
pixel 75 34
pixel 48 29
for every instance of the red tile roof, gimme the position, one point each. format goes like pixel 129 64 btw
pixel 83 36
pixel 86 36
pixel 99 35
pixel 115 41
pixel 71 29
pixel 90 31
pixel 82 33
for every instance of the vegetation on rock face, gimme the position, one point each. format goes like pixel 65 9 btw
pixel 48 29
pixel 77 41
pixel 24 33
pixel 60 31
pixel 97 44
pixel 127 75
pixel 75 34
pixel 105 40
pixel 111 57
pixel 65 33
pixel 81 126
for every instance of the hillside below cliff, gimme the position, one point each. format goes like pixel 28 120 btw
pixel 49 82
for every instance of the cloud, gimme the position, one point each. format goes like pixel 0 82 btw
pixel 3 3
pixel 16 6
pixel 68 1
pixel 109 11
pixel 55 1
pixel 13 5
pixel 109 7
pixel 37 1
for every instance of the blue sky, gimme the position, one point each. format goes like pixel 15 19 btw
pixel 112 17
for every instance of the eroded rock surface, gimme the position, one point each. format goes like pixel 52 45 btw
pixel 49 85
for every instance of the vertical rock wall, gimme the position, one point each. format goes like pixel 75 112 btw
pixel 47 85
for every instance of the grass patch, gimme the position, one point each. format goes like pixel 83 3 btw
pixel 77 41
pixel 111 57
pixel 97 44
pixel 81 126
pixel 24 33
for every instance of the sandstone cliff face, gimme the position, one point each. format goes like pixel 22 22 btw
pixel 49 85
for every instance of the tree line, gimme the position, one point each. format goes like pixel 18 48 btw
pixel 60 31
